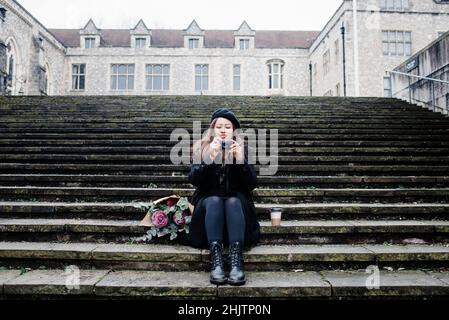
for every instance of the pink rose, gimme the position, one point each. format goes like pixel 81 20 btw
pixel 181 221
pixel 171 202
pixel 159 219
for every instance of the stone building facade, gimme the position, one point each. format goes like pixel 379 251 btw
pixel 142 61
pixel 423 79
pixel 387 33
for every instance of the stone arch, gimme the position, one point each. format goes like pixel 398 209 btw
pixel 13 67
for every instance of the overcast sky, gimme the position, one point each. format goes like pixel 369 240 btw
pixel 177 14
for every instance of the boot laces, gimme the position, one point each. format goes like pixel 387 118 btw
pixel 217 254
pixel 236 256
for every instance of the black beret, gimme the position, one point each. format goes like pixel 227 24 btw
pixel 227 114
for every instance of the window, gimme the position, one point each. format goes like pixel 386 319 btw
pixel 141 43
pixel 395 5
pixel 326 58
pixel 236 77
pixel 387 87
pixel 78 76
pixel 396 43
pixel 2 13
pixel 194 43
pixel 337 90
pixel 337 51
pixel 89 43
pixel 275 75
pixel 45 84
pixel 122 77
pixel 244 44
pixel 10 75
pixel 157 77
pixel 201 77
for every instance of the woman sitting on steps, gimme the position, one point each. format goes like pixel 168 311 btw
pixel 224 212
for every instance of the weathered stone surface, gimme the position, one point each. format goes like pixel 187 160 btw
pixel 394 283
pixel 356 208
pixel 355 226
pixel 442 275
pixel 442 226
pixel 55 282
pixel 301 253
pixel 31 225
pixel 401 226
pixel 278 285
pixel 6 275
pixel 142 253
pixel 294 227
pixel 104 226
pixel 409 252
pixel 156 284
pixel 36 250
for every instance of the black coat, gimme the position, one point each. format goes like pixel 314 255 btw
pixel 241 180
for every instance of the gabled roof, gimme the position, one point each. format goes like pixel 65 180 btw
pixel 194 29
pixel 140 29
pixel 90 28
pixel 244 30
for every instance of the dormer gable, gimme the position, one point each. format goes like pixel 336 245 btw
pixel 140 36
pixel 244 37
pixel 90 36
pixel 193 36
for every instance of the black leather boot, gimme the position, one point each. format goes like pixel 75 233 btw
pixel 217 274
pixel 236 273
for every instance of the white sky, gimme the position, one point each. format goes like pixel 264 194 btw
pixel 177 14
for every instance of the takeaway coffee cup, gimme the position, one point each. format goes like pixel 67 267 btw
pixel 276 214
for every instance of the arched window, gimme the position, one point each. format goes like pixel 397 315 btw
pixel 10 69
pixel 46 85
pixel 275 74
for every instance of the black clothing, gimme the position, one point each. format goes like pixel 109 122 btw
pixel 240 180
pixel 221 210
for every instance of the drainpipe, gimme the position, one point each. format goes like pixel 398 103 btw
pixel 356 49
pixel 310 78
pixel 344 58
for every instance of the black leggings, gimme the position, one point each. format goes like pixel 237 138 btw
pixel 216 210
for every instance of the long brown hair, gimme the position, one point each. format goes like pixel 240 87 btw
pixel 201 147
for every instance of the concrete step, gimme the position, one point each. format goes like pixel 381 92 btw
pixel 165 131
pixel 151 121
pixel 180 257
pixel 290 231
pixel 300 116
pixel 182 170
pixel 327 284
pixel 284 138
pixel 165 159
pixel 167 143
pixel 294 182
pixel 284 196
pixel 136 210
pixel 282 150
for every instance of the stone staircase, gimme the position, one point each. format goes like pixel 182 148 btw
pixel 363 183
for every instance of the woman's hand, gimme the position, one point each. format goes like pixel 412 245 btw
pixel 215 148
pixel 237 151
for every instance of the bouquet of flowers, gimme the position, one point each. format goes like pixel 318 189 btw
pixel 168 215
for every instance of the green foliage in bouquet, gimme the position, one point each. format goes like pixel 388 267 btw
pixel 170 216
